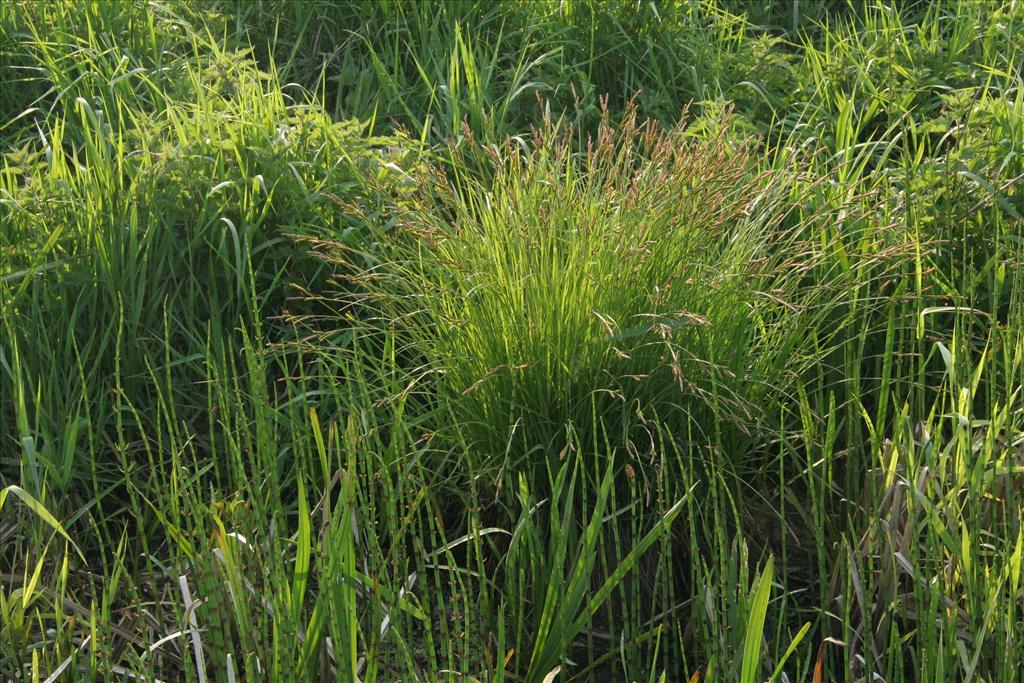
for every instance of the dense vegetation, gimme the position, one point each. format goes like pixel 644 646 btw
pixel 524 340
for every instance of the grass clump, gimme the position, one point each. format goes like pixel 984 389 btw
pixel 647 279
pixel 161 235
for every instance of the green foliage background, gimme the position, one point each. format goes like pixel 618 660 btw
pixel 521 340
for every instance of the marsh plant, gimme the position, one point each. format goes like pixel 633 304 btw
pixel 647 279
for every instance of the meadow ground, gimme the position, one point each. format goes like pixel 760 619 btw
pixel 512 341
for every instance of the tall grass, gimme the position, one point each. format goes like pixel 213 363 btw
pixel 647 281
pixel 394 342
